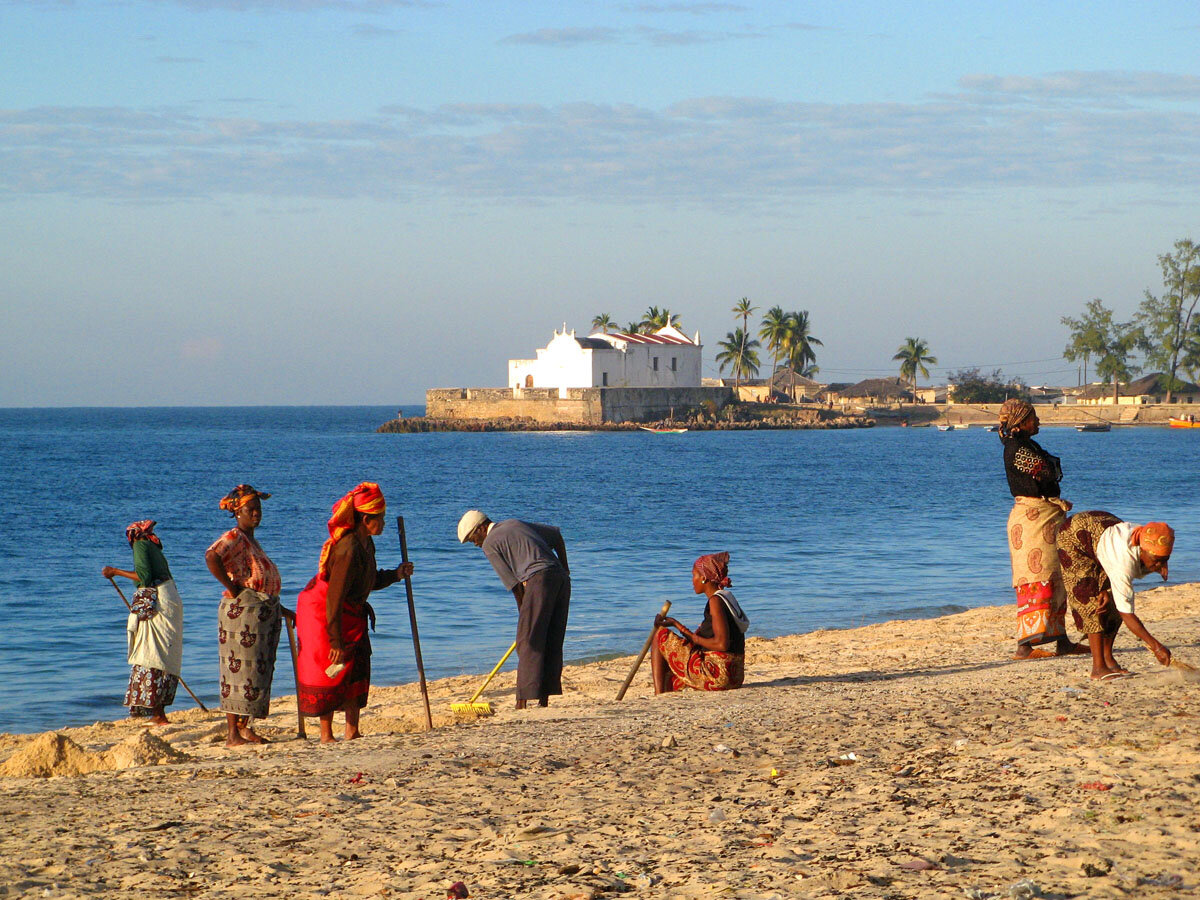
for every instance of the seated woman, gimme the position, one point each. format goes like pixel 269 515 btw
pixel 711 658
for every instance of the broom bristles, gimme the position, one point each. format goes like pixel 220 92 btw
pixel 478 709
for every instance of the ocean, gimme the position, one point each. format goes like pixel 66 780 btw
pixel 827 529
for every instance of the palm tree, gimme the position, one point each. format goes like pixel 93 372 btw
pixel 654 319
pixel 772 330
pixel 801 356
pixel 744 309
pixel 740 352
pixel 913 355
pixel 633 327
pixel 603 322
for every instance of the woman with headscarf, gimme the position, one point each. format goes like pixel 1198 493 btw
pixel 332 612
pixel 711 658
pixel 1038 511
pixel 1101 556
pixel 154 627
pixel 249 617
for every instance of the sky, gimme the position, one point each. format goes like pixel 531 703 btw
pixel 243 202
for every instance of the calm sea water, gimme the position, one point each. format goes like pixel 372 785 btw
pixel 826 528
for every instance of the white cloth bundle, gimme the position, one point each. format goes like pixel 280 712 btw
pixel 157 642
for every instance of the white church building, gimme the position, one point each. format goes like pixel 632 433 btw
pixel 666 358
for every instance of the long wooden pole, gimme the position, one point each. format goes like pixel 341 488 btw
pixel 181 681
pixel 666 608
pixel 412 621
pixel 291 630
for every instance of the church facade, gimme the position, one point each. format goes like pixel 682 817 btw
pixel 666 358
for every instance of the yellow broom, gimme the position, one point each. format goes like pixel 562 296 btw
pixel 484 708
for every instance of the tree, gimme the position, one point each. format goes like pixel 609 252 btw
pixel 1110 343
pixel 654 319
pixel 972 386
pixel 740 352
pixel 603 322
pixel 633 327
pixel 1169 321
pixel 797 346
pixel 743 309
pixel 772 329
pixel 913 354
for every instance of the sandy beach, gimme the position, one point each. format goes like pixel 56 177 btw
pixel 908 759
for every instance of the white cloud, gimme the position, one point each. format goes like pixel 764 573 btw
pixel 712 150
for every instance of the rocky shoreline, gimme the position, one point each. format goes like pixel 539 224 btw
pixel 743 417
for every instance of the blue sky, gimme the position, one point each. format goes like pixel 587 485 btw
pixel 349 201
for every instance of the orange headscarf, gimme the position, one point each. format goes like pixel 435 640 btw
pixel 240 496
pixel 1156 538
pixel 367 499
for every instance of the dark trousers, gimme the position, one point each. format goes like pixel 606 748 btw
pixel 541 627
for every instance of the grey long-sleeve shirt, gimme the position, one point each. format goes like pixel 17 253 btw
pixel 519 549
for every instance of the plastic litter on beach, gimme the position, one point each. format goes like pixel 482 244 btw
pixel 1024 890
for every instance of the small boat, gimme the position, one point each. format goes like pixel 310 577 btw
pixel 1183 422
pixel 1094 426
pixel 662 430
pixel 951 427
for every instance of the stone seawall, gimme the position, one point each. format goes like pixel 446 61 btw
pixel 1048 414
pixel 577 406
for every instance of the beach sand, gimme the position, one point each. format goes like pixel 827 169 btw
pixel 909 759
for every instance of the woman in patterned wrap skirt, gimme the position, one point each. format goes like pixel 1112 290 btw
pixel 713 657
pixel 249 617
pixel 155 626
pixel 1038 512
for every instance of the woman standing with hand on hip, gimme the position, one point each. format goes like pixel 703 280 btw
pixel 155 626
pixel 1037 514
pixel 332 612
pixel 249 616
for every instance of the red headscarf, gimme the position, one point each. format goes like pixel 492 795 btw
pixel 367 499
pixel 142 531
pixel 715 568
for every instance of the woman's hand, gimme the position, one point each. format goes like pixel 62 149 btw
pixel 404 570
pixel 288 614
pixel 108 571
pixel 336 655
pixel 662 621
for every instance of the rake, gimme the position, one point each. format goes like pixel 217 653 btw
pixel 482 708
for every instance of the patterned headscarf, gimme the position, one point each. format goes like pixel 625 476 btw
pixel 142 531
pixel 239 497
pixel 715 568
pixel 1156 538
pixel 1013 412
pixel 367 499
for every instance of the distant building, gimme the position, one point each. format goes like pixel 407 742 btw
pixel 1150 388
pixel 875 390
pixel 666 358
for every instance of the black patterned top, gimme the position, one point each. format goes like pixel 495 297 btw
pixel 1031 471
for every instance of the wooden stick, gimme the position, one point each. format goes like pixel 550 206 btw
pixel 666 608
pixel 199 702
pixel 412 620
pixel 291 630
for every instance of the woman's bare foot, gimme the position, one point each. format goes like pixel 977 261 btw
pixel 235 740
pixel 352 734
pixel 160 720
pixel 250 736
pixel 1024 651
pixel 1108 674
pixel 1068 648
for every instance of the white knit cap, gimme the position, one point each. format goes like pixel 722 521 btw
pixel 471 520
